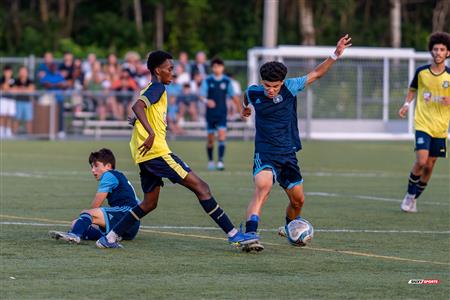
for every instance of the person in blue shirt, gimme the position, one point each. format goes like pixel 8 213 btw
pixel 277 137
pixel 116 189
pixel 214 92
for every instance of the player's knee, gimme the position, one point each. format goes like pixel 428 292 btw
pixel 298 202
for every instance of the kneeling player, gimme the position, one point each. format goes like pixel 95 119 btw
pixel 97 221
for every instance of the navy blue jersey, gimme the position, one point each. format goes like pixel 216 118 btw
pixel 217 89
pixel 119 189
pixel 276 119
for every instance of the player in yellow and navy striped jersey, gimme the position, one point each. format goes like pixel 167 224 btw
pixel 150 151
pixel 431 88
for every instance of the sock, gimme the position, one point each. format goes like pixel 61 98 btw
pixel 216 213
pixel 288 220
pixel 252 224
pixel 92 234
pixel 82 224
pixel 221 150
pixel 420 187
pixel 127 221
pixel 412 183
pixel 210 153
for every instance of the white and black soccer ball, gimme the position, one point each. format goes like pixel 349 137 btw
pixel 299 232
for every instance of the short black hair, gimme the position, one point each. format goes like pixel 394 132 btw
pixel 157 58
pixel 439 38
pixel 217 61
pixel 104 156
pixel 7 67
pixel 273 71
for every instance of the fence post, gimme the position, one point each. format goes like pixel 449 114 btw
pixel 385 89
pixel 411 71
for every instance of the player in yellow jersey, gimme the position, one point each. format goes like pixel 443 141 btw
pixel 150 151
pixel 431 87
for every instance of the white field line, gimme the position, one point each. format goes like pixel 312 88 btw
pixel 263 230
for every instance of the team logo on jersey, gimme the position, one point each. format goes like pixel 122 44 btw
pixel 427 96
pixel 445 84
pixel 277 99
pixel 257 101
pixel 223 86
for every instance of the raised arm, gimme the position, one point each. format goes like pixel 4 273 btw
pixel 323 68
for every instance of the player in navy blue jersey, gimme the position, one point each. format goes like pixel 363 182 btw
pixel 277 137
pixel 114 187
pixel 214 92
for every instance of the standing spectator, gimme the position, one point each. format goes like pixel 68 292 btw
pixel 200 65
pixel 188 100
pixel 24 103
pixel 7 104
pixel 66 68
pixel 54 81
pixel 183 59
pixel 123 88
pixel 87 65
pixel 44 67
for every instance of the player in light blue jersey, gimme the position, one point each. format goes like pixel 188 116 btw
pixel 277 137
pixel 114 187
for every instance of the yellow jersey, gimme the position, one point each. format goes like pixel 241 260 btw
pixel 431 116
pixel 155 98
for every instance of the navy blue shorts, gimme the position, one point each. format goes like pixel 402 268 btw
pixel 167 166
pixel 436 146
pixel 113 215
pixel 284 168
pixel 215 123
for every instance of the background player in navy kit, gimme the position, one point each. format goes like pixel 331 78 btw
pixel 214 92
pixel 277 137
pixel 113 186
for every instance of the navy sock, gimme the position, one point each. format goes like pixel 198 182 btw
pixel 221 150
pixel 252 224
pixel 420 187
pixel 210 153
pixel 217 214
pixel 288 220
pixel 92 234
pixel 128 220
pixel 412 183
pixel 82 224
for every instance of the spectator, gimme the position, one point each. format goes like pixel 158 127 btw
pixel 66 68
pixel 132 62
pixel 24 103
pixel 123 88
pixel 200 65
pixel 112 65
pixel 183 59
pixel 44 67
pixel 188 100
pixel 78 81
pixel 87 65
pixel 182 76
pixel 7 104
pixel 173 117
pixel 196 83
pixel 54 81
pixel 233 110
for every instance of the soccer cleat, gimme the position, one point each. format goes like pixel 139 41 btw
pixel 253 247
pixel 409 204
pixel 220 166
pixel 211 166
pixel 282 231
pixel 65 236
pixel 104 244
pixel 241 238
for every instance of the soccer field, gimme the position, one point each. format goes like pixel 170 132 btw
pixel 364 247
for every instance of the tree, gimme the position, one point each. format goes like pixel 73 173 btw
pixel 306 15
pixel 441 14
pixel 395 18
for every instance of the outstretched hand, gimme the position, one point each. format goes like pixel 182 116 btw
pixel 342 44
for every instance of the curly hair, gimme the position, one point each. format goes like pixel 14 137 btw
pixel 439 38
pixel 157 58
pixel 273 71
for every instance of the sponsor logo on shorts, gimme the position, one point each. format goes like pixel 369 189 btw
pixel 420 141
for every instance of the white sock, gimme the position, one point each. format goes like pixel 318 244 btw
pixel 233 232
pixel 112 237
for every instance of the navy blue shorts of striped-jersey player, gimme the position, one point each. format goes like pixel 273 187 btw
pixel 167 166
pixel 284 168
pixel 277 133
pixel 113 215
pixel 217 89
pixel 437 147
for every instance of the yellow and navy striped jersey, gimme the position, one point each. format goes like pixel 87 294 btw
pixel 155 98
pixel 431 116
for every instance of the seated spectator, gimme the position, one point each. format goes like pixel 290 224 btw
pixel 183 59
pixel 87 65
pixel 78 82
pixel 54 81
pixel 66 68
pixel 132 62
pixel 200 65
pixel 112 66
pixel 182 76
pixel 188 100
pixel 24 103
pixel 7 103
pixel 124 89
pixel 44 67
pixel 196 83
pixel 173 117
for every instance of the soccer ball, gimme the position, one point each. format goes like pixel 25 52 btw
pixel 299 232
